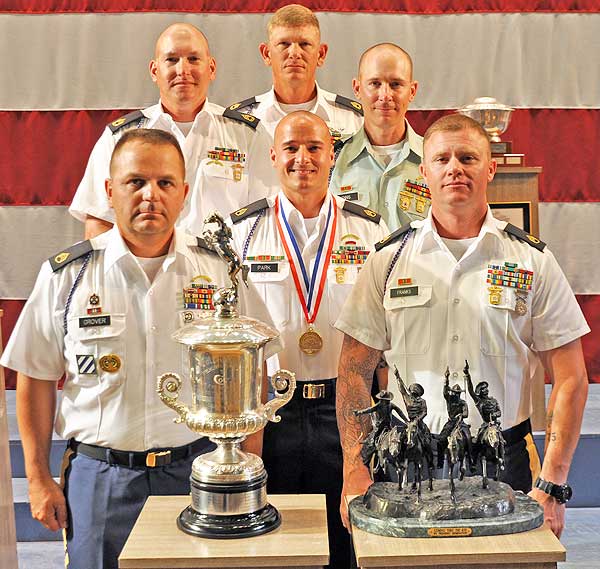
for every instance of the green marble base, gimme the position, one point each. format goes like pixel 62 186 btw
pixel 384 510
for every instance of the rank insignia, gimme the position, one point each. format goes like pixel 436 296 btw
pixel 86 364
pixel 110 363
pixel 61 258
pixel 349 252
pixel 340 275
pixel 199 294
pixel 495 294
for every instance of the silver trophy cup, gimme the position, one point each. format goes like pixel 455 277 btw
pixel 225 357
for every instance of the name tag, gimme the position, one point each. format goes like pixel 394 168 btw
pixel 352 196
pixel 404 291
pixel 264 267
pixel 90 321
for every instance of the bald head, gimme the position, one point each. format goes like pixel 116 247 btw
pixel 182 69
pixel 180 30
pixel 302 119
pixel 386 49
pixel 302 154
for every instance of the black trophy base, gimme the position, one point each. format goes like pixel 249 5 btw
pixel 229 527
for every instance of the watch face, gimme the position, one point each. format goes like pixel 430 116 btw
pixel 566 493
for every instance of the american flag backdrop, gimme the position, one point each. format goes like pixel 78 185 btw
pixel 69 67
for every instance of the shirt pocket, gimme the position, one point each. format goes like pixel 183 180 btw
pixel 409 318
pixel 340 280
pixel 224 185
pixel 500 322
pixel 103 343
pixel 276 291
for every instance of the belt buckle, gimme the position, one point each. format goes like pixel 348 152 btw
pixel 154 459
pixel 313 391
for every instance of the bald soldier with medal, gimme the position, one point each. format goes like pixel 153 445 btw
pixel 305 249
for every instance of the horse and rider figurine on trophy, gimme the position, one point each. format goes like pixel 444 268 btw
pixel 398 441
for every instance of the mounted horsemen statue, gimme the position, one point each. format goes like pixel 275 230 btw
pixel 455 439
pixel 489 443
pixel 418 437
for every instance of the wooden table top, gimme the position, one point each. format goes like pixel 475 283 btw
pixel 300 541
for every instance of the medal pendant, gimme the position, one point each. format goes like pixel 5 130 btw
pixel 310 342
pixel 521 306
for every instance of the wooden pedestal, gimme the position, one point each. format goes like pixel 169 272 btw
pixel 536 549
pixel 301 541
pixel 8 540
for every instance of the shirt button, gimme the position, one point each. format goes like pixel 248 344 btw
pixel 455 338
pixel 386 204
pixel 456 300
pixel 151 293
pixel 455 374
pixel 153 328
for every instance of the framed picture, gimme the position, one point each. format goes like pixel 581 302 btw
pixel 517 213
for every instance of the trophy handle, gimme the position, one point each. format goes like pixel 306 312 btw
pixel 168 387
pixel 280 380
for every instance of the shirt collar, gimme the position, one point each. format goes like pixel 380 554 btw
pixel 360 143
pixel 156 114
pixel 430 239
pixel 116 248
pixel 274 111
pixel 295 218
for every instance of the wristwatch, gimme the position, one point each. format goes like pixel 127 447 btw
pixel 561 492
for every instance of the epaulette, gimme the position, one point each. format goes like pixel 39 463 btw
pixel 71 254
pixel 200 242
pixel 246 118
pixel 361 211
pixel 349 104
pixel 249 210
pixel 242 104
pixel 339 144
pixel 393 237
pixel 125 121
pixel 524 236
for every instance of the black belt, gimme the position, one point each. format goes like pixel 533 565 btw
pixel 315 389
pixel 517 433
pixel 136 459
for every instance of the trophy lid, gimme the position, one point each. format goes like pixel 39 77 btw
pixel 484 104
pixel 239 330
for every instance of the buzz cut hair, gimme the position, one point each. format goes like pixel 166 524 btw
pixel 293 16
pixel 151 136
pixel 455 123
pixel 388 45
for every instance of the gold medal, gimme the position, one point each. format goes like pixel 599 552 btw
pixel 310 342
pixel 110 363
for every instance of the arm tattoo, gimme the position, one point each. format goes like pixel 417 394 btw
pixel 355 376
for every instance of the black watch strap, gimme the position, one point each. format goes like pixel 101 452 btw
pixel 561 492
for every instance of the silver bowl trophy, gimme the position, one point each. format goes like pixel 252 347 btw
pixel 225 351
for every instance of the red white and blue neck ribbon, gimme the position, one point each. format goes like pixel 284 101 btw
pixel 309 287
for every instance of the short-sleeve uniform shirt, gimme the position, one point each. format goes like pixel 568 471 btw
pixel 227 166
pixel 115 312
pixel 397 191
pixel 259 242
pixel 432 311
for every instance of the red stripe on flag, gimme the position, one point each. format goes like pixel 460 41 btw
pixel 259 6
pixel 48 151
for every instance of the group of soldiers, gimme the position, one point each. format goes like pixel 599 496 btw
pixel 302 174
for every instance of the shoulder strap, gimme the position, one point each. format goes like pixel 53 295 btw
pixel 242 104
pixel 249 210
pixel 69 255
pixel 392 238
pixel 361 211
pixel 349 104
pixel 524 236
pixel 245 118
pixel 125 121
